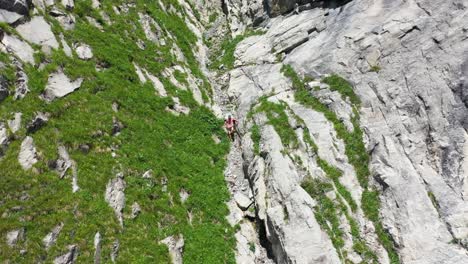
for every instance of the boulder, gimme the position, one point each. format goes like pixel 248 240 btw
pixel 59 85
pixel 175 245
pixel 18 47
pixel 115 196
pixel 242 201
pixel 9 17
pixel 39 32
pixel 84 51
pixel 28 155
pixel 69 257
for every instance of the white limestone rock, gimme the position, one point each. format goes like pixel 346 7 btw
pixel 21 84
pixel 59 85
pixel 68 4
pixel 13 237
pixel 51 238
pixel 65 46
pixel 242 201
pixel 68 258
pixel 39 32
pixel 175 244
pixel 15 123
pixel 84 51
pixel 136 210
pixel 158 85
pixel 20 48
pixel 28 154
pixel 139 73
pixel 115 196
pixel 9 17
pixel 97 248
pixel 3 138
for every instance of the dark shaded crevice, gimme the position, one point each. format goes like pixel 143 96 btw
pixel 409 31
pixel 224 7
pixel 262 236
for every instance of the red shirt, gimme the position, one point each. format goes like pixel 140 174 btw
pixel 230 123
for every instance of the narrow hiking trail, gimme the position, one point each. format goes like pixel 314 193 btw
pixel 241 206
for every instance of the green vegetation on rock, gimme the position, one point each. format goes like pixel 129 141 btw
pixel 355 149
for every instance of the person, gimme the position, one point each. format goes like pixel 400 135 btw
pixel 230 124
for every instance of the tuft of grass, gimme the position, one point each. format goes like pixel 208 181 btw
pixel 277 117
pixel 255 134
pixel 375 68
pixel 339 84
pixel 225 56
pixel 326 212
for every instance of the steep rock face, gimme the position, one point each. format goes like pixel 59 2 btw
pixel 405 61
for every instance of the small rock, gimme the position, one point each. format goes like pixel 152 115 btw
pixel 13 237
pixel 95 4
pixel 39 121
pixel 184 195
pixel 28 155
pixel 115 107
pixel 15 123
pixel 66 47
pixel 3 139
pixel 164 184
pixel 51 238
pixel 176 248
pixel 216 139
pixel 69 257
pixel 97 248
pixel 115 250
pixel 242 201
pixel 21 84
pixel 148 174
pixel 63 163
pixel 84 52
pixel 136 210
pixel 84 148
pixel 117 126
pixel 68 4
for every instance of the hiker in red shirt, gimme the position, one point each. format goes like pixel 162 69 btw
pixel 230 123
